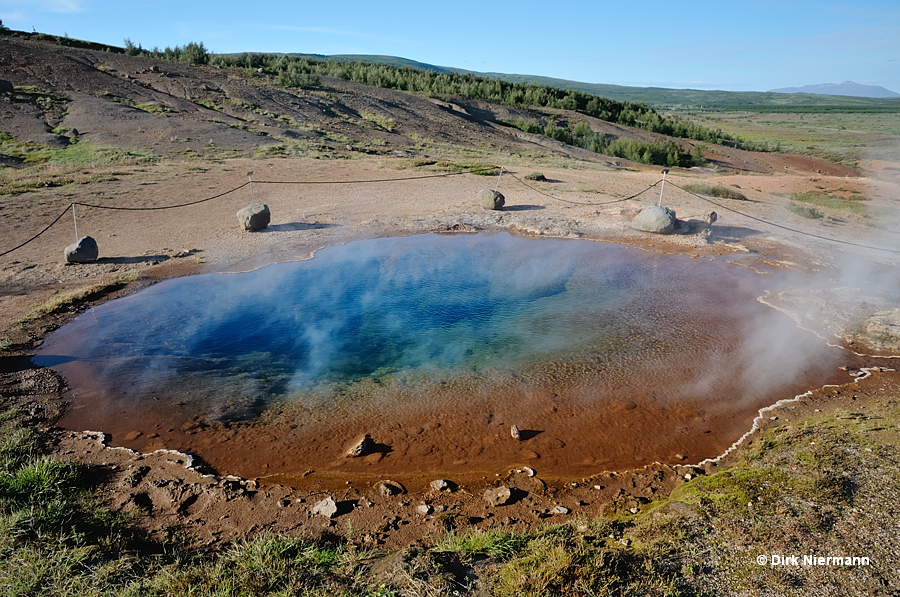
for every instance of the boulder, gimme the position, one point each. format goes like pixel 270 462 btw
pixel 656 219
pixel 6 86
pixel 327 508
pixel 498 496
pixel 254 217
pixel 491 199
pixel 84 251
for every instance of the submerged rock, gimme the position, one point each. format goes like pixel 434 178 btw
pixel 254 217
pixel 656 219
pixel 84 251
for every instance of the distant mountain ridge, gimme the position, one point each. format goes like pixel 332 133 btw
pixel 847 88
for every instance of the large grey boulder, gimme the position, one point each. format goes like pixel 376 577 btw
pixel 491 199
pixel 254 217
pixel 657 219
pixel 84 251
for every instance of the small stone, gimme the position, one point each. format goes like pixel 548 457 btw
pixel 83 251
pixel 634 510
pixel 560 510
pixel 327 508
pixel 498 496
pixel 441 485
pixel 514 431
pixel 389 488
pixel 361 446
pixel 491 199
pixel 625 542
pixel 424 509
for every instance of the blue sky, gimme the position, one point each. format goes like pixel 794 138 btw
pixel 738 46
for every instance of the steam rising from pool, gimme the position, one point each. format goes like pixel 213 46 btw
pixel 479 324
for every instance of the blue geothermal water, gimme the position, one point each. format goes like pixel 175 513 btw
pixel 423 307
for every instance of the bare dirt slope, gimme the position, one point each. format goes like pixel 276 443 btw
pixel 171 108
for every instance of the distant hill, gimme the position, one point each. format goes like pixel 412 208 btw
pixel 661 98
pixel 847 88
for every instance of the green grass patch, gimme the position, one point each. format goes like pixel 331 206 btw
pixel 380 122
pixel 714 191
pixel 471 167
pixel 853 203
pixel 82 154
pixel 806 211
pixel 154 108
pixel 491 542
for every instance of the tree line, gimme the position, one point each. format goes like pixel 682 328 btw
pixel 304 72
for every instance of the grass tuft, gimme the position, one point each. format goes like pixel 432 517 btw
pixel 715 191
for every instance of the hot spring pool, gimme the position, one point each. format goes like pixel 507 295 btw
pixel 605 357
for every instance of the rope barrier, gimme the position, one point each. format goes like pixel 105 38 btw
pixel 374 180
pixel 540 192
pixel 50 225
pixel 249 182
pixel 788 228
pixel 441 175
pixel 111 207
